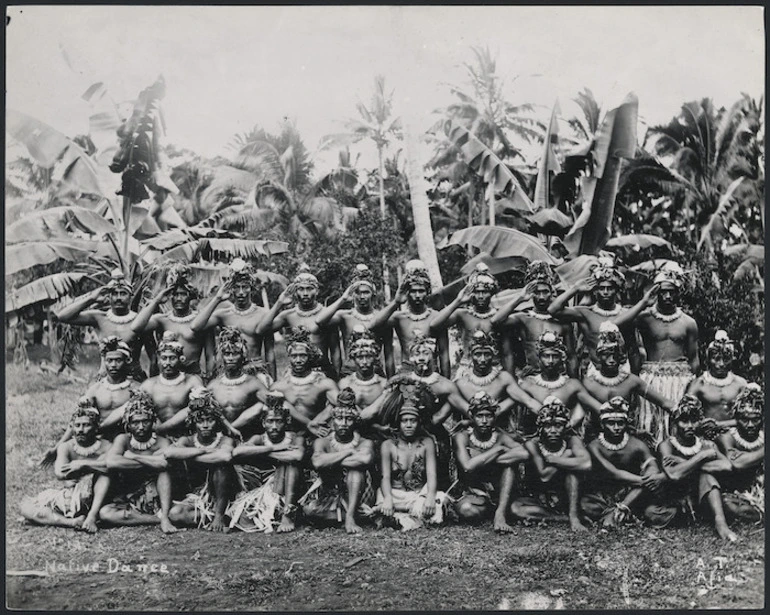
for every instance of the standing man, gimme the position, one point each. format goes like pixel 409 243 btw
pixel 553 476
pixel 670 338
pixel 116 320
pixel 208 453
pixel 304 292
pixel 179 319
pixel 486 457
pixel 243 315
pixel 605 284
pixel 527 327
pixel 471 311
pixel 279 453
pixel 342 459
pixel 143 495
pixel 416 317
pixel 80 465
pixel 718 387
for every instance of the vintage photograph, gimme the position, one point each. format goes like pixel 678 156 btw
pixel 384 308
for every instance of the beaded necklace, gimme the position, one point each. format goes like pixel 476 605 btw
pixel 249 310
pixel 135 445
pixel 546 453
pixel 344 446
pixel 482 316
pixel 687 451
pixel 311 312
pixel 233 382
pixel 173 382
pixel 86 451
pixel 606 313
pixel 718 382
pixel 116 386
pixel 482 381
pixel 745 444
pixel 412 316
pixel 302 380
pixel 211 445
pixel 613 447
pixel 181 319
pixel 549 384
pixel 482 445
pixel 665 317
pixel 360 316
pixel 120 320
pixel 539 316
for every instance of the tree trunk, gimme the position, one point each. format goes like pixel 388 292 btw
pixel 385 272
pixel 491 200
pixel 418 190
pixel 471 203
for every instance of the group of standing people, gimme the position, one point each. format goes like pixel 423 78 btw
pixel 595 413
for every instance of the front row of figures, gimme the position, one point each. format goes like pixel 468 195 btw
pixel 255 454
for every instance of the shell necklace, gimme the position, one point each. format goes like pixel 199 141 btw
pixel 233 382
pixel 606 313
pixel 86 451
pixel 482 445
pixel 135 445
pixel 482 316
pixel 482 381
pixel 181 319
pixel 429 380
pixel 546 453
pixel 249 310
pixel 421 316
pixel 344 446
pixel 285 442
pixel 549 384
pixel 745 444
pixel 361 316
pixel 116 386
pixel 539 316
pixel 718 382
pixel 665 317
pixel 120 320
pixel 607 381
pixel 366 383
pixel 613 447
pixel 687 451
pixel 302 380
pixel 311 312
pixel 173 382
pixel 211 445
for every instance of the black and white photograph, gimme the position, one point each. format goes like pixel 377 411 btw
pixel 384 308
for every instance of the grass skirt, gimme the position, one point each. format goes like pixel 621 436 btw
pixel 669 379
pixel 72 500
pixel 407 504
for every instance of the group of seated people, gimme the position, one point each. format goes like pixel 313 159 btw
pixel 342 436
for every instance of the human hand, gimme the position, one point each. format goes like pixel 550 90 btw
pixel 348 294
pixel 286 298
pixel 223 292
pixel 586 285
pixel 466 294
pixel 529 290
pixel 651 295
pixel 654 482
pixel 400 296
pixel 387 507
pixel 709 454
pixel 319 431
pixel 233 432
pixel 429 508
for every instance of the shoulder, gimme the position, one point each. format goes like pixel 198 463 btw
pixel 427 442
pixel 227 442
pixel 636 444
pixel 120 441
pixel 194 380
pixel 162 442
pixel 506 439
pixel 65 448
pixel 575 441
pixel 183 441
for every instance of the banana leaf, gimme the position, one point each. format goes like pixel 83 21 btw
pixel 52 223
pixel 48 288
pixel 499 242
pixel 638 241
pixel 20 256
pixel 717 224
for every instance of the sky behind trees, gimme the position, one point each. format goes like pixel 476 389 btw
pixel 229 68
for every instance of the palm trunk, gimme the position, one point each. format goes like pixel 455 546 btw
pixel 471 203
pixel 491 199
pixel 418 190
pixel 385 272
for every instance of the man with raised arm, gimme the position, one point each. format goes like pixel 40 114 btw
pixel 670 338
pixel 690 463
pixel 485 375
pixel 304 292
pixel 626 480
pixel 604 378
pixel 342 460
pixel 278 453
pixel 361 291
pixel 143 495
pixel 178 319
pixel 527 327
pixel 414 318
pixel 170 390
pixel 243 315
pixel 558 461
pixel 486 457
pixel 116 320
pixel 471 311
pixel 718 387
pixel 408 491
pixel 605 284
pixel 744 446
pixel 208 453
pixel 552 380
pixel 80 465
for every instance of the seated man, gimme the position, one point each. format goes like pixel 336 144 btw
pixel 626 476
pixel 485 462
pixel 689 462
pixel 80 465
pixel 408 490
pixel 143 495
pixel 552 482
pixel 208 453
pixel 605 379
pixel 281 452
pixel 342 460
pixel 364 350
pixel 718 387
pixel 744 446
pixel 552 380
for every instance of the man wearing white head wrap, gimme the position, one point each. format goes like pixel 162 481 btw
pixel 240 313
pixel 414 317
pixel 670 338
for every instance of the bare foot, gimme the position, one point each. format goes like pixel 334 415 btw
pixel 501 526
pixel 89 525
pixel 576 526
pixel 218 524
pixel 166 526
pixel 351 527
pixel 287 525
pixel 726 533
pixel 77 522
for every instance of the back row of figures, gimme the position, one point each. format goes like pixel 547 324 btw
pixel 587 374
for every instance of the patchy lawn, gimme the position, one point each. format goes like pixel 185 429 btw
pixel 439 569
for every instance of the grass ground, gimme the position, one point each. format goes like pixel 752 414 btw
pixel 439 569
